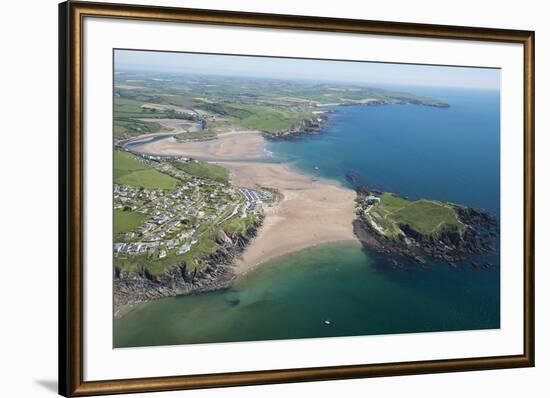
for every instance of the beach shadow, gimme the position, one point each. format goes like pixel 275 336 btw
pixel 50 385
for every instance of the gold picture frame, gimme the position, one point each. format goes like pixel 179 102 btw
pixel 71 239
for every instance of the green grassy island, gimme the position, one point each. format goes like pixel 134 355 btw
pixel 415 228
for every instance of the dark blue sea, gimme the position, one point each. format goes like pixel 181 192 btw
pixel 341 289
pixel 450 154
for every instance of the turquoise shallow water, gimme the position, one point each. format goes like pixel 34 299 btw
pixel 293 296
pixel 449 154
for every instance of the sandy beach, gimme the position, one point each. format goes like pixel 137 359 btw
pixel 241 145
pixel 311 211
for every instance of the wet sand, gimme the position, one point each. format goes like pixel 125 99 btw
pixel 247 145
pixel 310 212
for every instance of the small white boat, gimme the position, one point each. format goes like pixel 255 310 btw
pixel 327 322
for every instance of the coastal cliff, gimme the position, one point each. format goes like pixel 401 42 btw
pixel 307 126
pixel 215 273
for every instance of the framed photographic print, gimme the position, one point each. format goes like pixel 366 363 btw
pixel 251 198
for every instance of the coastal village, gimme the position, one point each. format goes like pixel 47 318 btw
pixel 175 221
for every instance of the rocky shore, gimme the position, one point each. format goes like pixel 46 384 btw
pixel 309 126
pixel 447 245
pixel 216 273
pixel 313 125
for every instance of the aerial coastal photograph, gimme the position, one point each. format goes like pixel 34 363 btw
pixel 264 198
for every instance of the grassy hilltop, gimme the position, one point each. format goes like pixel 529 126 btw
pixel 428 217
pixel 129 170
pixel 414 228
pixel 202 169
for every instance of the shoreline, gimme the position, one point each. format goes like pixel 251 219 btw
pixel 241 145
pixel 312 211
pixel 253 267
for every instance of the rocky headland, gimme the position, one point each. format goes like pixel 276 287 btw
pixel 215 272
pixel 401 231
pixel 304 127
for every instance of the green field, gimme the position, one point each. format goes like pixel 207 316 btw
pixel 238 225
pixel 127 108
pixel 389 203
pixel 425 216
pixel 266 118
pixel 196 135
pixel 130 171
pixel 129 111
pixel 201 169
pixel 124 105
pixel 133 127
pixel 428 217
pixel 126 221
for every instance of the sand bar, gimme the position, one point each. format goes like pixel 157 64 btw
pixel 247 145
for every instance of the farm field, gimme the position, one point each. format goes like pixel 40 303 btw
pixel 425 216
pixel 126 221
pixel 128 170
pixel 202 169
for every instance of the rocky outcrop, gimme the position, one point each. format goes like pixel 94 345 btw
pixel 419 101
pixel 215 273
pixel 309 126
pixel 448 245
pixel 371 239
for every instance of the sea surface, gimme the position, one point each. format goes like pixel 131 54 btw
pixel 341 289
pixel 450 154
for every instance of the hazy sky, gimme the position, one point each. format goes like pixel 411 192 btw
pixel 287 68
